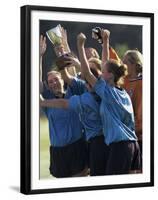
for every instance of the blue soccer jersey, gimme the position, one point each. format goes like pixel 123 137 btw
pixel 64 125
pixel 77 86
pixel 87 107
pixel 116 112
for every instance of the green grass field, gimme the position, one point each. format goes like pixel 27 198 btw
pixel 44 149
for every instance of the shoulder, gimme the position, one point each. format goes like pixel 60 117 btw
pixel 77 80
pixel 47 94
pixel 137 83
pixel 139 78
pixel 101 82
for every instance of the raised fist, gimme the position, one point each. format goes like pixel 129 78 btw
pixel 81 38
pixel 105 34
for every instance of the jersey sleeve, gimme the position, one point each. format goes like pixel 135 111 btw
pixel 77 86
pixel 101 88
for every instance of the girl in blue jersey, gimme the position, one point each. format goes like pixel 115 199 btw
pixel 116 113
pixel 67 145
pixel 68 148
pixel 87 107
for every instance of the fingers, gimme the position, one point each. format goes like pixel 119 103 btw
pixel 42 44
pixel 43 40
pixel 64 33
pixel 81 36
pixel 105 33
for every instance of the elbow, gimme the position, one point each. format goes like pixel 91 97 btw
pixel 61 103
pixel 86 73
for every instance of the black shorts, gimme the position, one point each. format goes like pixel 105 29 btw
pixel 68 160
pixel 123 157
pixel 98 154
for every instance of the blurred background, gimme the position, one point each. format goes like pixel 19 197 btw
pixel 122 38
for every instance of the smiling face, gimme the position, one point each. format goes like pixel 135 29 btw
pixel 134 61
pixel 131 66
pixel 55 83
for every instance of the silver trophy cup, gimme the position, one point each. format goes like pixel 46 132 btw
pixel 55 35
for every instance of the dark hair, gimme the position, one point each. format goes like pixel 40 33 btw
pixel 119 70
pixel 95 72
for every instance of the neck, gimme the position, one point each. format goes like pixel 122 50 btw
pixel 60 94
pixel 111 82
pixel 132 75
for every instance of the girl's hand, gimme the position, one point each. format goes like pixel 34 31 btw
pixel 42 45
pixel 81 38
pixel 105 34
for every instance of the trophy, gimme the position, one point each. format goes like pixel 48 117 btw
pixel 55 36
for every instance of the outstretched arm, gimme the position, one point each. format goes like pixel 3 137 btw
pixel 54 103
pixel 42 50
pixel 81 38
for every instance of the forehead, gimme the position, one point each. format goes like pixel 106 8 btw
pixel 92 65
pixel 125 58
pixel 53 76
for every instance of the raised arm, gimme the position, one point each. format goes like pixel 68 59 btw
pixel 54 103
pixel 105 46
pixel 67 77
pixel 42 50
pixel 69 72
pixel 64 39
pixel 81 38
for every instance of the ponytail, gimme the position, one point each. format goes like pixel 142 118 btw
pixel 122 70
pixel 119 70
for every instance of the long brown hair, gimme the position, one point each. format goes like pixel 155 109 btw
pixel 119 70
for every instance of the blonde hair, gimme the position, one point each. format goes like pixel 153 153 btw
pixel 92 52
pixel 119 70
pixel 96 61
pixel 53 72
pixel 135 57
